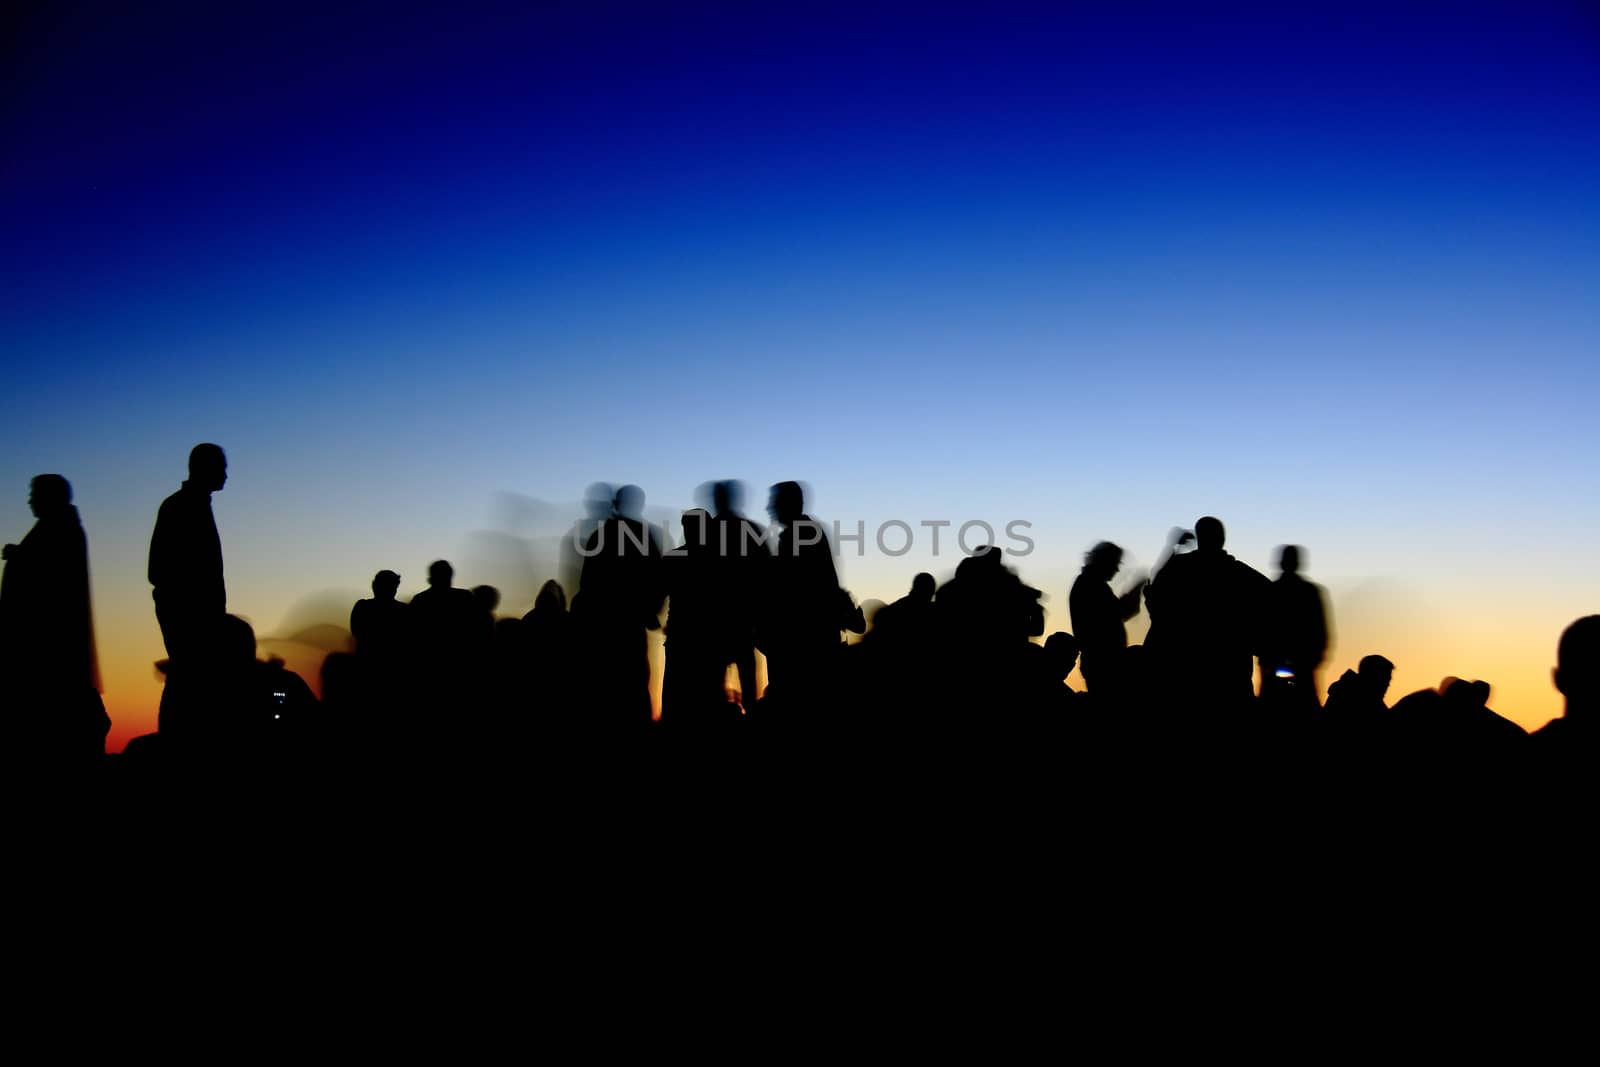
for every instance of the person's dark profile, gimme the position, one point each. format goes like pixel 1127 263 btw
pixel 47 630
pixel 185 568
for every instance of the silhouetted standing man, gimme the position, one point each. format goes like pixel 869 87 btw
pixel 186 561
pixel 1295 638
pixel 379 623
pixel 618 603
pixel 806 608
pixel 1209 607
pixel 47 633
pixel 1098 615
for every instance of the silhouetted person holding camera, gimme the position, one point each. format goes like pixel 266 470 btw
pixel 1209 608
pixel 1295 637
pixel 1098 615
pixel 47 635
pixel 186 562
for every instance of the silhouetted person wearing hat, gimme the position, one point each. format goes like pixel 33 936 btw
pixel 186 560
pixel 47 635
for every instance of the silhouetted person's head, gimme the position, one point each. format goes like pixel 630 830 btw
pixel 1577 673
pixel 598 500
pixel 49 494
pixel 696 528
pixel 551 598
pixel 629 502
pixel 923 587
pixel 1460 693
pixel 1376 673
pixel 1289 557
pixel 208 467
pixel 1209 535
pixel 1103 561
pixel 385 584
pixel 487 597
pixel 1062 650
pixel 440 574
pixel 726 498
pixel 236 642
pixel 788 502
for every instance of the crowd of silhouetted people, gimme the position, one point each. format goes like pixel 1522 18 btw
pixel 1231 666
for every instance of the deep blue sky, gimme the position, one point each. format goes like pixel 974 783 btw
pixel 1329 274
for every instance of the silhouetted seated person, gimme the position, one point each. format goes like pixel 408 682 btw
pixel 486 600
pixel 47 637
pixel 1295 638
pixel 1355 701
pixel 1451 729
pixel 1208 608
pixel 618 603
pixel 1467 704
pixel 240 709
pixel 1048 668
pixel 699 648
pixel 1098 615
pixel 907 622
pixel 186 561
pixel 806 610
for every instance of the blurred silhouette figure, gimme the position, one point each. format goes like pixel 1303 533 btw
pixel 186 561
pixel 599 502
pixel 1098 615
pixel 1356 699
pixel 47 635
pixel 986 616
pixel 907 622
pixel 806 610
pixel 1295 637
pixel 1451 730
pixel 618 603
pixel 699 651
pixel 548 658
pixel 485 601
pixel 379 623
pixel 1568 743
pixel 1477 724
pixel 1208 607
pixel 738 577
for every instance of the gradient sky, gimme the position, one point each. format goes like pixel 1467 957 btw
pixel 1328 275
